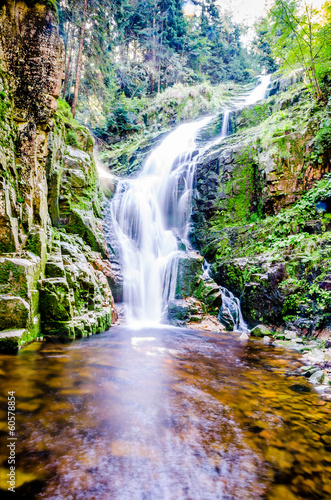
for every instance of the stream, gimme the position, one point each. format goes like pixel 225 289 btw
pixel 165 414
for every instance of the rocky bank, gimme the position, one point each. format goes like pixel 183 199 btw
pixel 54 272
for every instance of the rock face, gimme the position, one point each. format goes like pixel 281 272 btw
pixel 262 211
pixel 53 267
pixel 196 296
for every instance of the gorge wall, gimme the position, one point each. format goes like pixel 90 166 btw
pixel 53 267
pixel 263 209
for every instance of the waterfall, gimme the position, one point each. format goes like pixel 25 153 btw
pixel 225 124
pixel 150 215
pixel 259 92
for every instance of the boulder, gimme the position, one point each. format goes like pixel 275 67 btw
pixel 317 377
pixel 260 331
pixel 290 335
pixel 178 312
pixel 188 274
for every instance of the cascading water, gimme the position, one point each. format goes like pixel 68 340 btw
pixel 150 218
pixel 149 215
pixel 259 92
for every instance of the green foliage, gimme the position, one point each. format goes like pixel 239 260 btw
pixel 300 38
pixel 262 45
pixel 134 50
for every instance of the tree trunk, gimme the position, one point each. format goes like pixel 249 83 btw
pixel 68 66
pixel 79 59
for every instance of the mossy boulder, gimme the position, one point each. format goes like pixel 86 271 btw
pixel 260 331
pixel 189 274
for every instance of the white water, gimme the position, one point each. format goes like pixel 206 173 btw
pixel 150 217
pixel 259 92
pixel 149 214
pixel 256 95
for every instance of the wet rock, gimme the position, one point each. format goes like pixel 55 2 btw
pixel 178 312
pixel 54 267
pixel 226 318
pixel 58 188
pixel 189 273
pixel 266 339
pixel 14 312
pixel 55 300
pixel 11 340
pixel 310 371
pixel 260 331
pixel 244 336
pixel 209 293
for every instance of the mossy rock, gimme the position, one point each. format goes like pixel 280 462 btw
pixel 178 312
pixel 189 273
pixel 14 312
pixel 55 302
pixel 260 331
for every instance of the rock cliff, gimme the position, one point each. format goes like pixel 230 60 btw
pixel 262 214
pixel 53 267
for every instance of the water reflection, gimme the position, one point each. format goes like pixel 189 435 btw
pixel 165 414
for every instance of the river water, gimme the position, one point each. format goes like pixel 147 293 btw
pixel 162 414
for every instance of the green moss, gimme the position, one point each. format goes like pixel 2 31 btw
pixel 239 191
pixel 253 116
pixel 73 133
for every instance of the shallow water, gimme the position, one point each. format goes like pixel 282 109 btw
pixel 165 414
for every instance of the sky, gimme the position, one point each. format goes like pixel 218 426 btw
pixel 249 10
